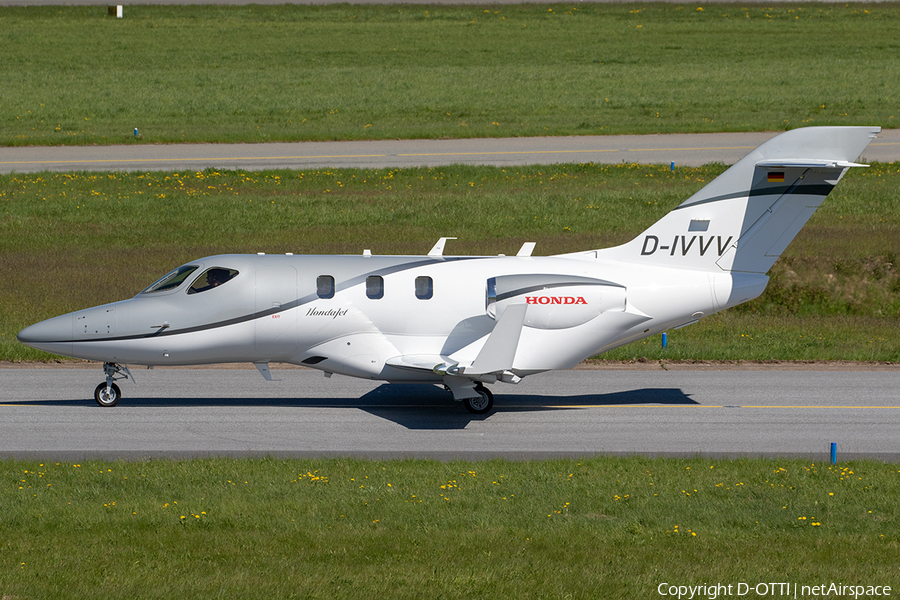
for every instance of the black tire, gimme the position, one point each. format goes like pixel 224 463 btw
pixel 482 404
pixel 107 399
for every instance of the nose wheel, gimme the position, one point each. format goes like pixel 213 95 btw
pixel 108 393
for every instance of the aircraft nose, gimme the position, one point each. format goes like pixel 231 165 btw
pixel 52 335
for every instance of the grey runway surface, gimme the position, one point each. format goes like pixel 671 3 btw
pixel 45 414
pixel 683 149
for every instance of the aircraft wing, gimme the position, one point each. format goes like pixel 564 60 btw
pixel 499 350
pixel 495 357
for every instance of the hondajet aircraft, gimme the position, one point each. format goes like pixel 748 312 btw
pixel 466 321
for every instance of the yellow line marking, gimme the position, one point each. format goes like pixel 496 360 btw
pixel 814 406
pixel 201 159
pixel 651 405
pixel 686 149
pixel 500 153
pixel 581 151
pixel 322 156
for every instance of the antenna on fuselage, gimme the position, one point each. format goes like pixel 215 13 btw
pixel 526 249
pixel 438 249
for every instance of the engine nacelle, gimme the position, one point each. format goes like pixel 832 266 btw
pixel 554 301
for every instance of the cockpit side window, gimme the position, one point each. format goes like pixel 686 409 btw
pixel 172 280
pixel 212 278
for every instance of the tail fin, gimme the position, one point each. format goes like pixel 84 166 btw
pixel 744 219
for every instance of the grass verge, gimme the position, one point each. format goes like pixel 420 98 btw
pixel 72 75
pixel 595 528
pixel 70 241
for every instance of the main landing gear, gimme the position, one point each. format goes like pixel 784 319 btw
pixel 482 404
pixel 477 399
pixel 108 393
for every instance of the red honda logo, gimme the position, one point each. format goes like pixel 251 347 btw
pixel 555 300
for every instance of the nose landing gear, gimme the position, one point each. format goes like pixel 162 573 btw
pixel 108 393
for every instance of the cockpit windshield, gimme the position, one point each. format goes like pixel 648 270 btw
pixel 212 278
pixel 171 280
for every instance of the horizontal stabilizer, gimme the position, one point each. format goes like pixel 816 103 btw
pixel 779 163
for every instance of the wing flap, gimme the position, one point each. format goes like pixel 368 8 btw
pixel 424 363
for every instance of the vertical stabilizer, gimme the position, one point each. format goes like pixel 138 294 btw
pixel 744 219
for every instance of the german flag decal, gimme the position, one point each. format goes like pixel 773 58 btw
pixel 773 177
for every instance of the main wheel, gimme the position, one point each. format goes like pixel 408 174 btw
pixel 482 404
pixel 107 396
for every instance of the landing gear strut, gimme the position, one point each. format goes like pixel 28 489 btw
pixel 108 393
pixel 482 404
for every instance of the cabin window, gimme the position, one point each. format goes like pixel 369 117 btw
pixel 212 278
pixel 375 287
pixel 424 288
pixel 325 286
pixel 172 280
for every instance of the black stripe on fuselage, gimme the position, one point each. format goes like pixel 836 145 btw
pixel 356 280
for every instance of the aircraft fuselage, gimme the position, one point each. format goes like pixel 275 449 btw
pixel 275 310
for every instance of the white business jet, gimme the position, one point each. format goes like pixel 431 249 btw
pixel 466 321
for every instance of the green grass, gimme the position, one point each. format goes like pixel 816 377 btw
pixel 750 335
pixel 595 528
pixel 70 241
pixel 72 75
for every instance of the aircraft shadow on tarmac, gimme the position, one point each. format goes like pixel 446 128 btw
pixel 413 406
pixel 415 412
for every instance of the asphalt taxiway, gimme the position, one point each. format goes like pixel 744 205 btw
pixel 179 413
pixel 682 149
